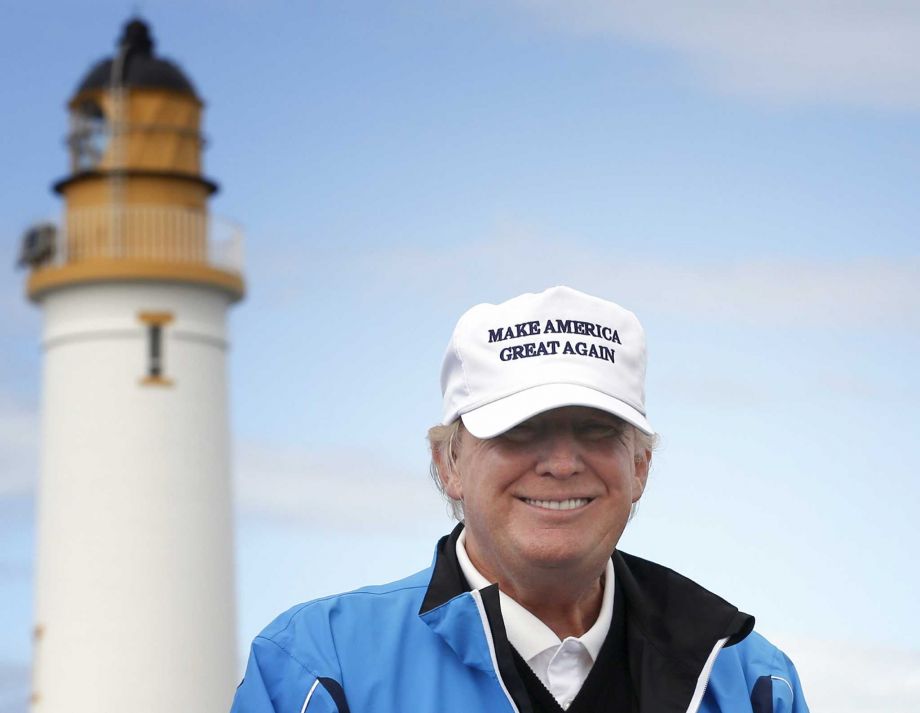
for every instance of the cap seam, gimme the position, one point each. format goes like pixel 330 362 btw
pixel 466 381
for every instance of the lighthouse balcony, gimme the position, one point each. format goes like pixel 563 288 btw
pixel 139 242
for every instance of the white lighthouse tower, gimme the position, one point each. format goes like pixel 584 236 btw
pixel 135 602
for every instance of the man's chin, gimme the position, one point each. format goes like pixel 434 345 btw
pixel 563 556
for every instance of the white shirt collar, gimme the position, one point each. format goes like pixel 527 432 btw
pixel 526 633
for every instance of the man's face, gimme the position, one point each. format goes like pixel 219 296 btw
pixel 554 492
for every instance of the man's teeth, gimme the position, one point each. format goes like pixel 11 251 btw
pixel 569 504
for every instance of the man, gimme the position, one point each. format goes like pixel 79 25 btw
pixel 543 450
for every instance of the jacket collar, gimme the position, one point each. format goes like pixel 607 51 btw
pixel 454 617
pixel 672 626
pixel 471 622
pixel 447 580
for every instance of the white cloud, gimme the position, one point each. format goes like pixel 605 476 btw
pixel 342 489
pixel 866 292
pixel 849 677
pixel 804 51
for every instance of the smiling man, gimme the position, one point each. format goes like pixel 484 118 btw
pixel 528 606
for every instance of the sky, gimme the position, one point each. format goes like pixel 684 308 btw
pixel 742 175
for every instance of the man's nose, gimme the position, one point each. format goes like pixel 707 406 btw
pixel 560 456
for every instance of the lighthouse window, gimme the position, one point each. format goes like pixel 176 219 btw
pixel 89 136
pixel 155 340
pixel 154 323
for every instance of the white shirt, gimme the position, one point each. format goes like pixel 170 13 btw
pixel 562 666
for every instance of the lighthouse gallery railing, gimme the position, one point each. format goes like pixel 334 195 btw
pixel 148 233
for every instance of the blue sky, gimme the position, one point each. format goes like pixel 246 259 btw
pixel 744 178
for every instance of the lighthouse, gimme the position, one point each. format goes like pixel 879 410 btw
pixel 135 591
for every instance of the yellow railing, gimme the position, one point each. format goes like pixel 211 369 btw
pixel 148 233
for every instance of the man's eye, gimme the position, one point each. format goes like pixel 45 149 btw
pixel 519 434
pixel 600 430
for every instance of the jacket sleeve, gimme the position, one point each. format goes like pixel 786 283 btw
pixel 275 682
pixel 787 689
pixel 779 691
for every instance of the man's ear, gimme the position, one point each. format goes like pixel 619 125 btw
pixel 447 473
pixel 640 477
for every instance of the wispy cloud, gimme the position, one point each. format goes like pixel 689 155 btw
pixel 344 489
pixel 850 677
pixel 867 292
pixel 802 51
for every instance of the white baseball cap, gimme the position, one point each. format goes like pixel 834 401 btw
pixel 536 352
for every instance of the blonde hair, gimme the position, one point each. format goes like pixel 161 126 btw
pixel 444 439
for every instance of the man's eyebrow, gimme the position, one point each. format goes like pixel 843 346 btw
pixel 603 417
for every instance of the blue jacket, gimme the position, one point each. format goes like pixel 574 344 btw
pixel 425 644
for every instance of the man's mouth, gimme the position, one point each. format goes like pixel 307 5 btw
pixel 570 504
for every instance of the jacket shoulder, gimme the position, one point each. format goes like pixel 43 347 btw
pixel 307 631
pixel 758 673
pixel 756 655
pixel 314 642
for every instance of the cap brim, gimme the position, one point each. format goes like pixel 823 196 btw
pixel 497 417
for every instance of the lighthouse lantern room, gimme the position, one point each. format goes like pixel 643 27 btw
pixel 135 605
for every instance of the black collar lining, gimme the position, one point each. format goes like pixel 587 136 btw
pixel 447 580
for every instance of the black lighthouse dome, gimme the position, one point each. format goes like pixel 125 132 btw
pixel 139 67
